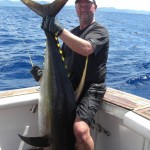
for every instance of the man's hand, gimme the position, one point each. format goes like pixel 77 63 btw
pixel 52 25
pixel 36 72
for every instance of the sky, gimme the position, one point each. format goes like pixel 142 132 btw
pixel 119 4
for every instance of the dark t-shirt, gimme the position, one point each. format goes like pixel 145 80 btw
pixel 97 35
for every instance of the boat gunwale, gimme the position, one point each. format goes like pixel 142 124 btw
pixel 130 102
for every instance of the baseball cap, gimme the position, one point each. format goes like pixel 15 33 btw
pixel 88 0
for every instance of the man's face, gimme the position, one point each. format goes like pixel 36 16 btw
pixel 85 10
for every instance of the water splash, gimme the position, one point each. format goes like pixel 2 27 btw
pixel 139 79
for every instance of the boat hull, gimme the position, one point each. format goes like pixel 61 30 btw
pixel 125 116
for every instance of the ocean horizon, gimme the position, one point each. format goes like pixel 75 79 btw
pixel 128 67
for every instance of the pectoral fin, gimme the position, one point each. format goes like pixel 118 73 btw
pixel 43 141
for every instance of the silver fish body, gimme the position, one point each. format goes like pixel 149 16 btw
pixel 57 104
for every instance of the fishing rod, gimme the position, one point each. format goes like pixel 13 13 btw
pixel 31 62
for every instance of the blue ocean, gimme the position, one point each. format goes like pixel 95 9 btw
pixel 21 37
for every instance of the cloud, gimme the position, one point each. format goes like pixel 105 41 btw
pixel 126 4
pixel 119 4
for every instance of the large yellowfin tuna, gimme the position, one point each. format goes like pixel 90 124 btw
pixel 57 105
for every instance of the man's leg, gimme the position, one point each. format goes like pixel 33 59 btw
pixel 82 134
pixel 85 114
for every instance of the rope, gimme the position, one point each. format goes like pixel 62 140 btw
pixel 80 87
pixel 22 41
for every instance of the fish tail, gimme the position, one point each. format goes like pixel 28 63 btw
pixel 51 9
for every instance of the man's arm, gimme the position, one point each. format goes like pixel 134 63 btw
pixel 36 72
pixel 77 44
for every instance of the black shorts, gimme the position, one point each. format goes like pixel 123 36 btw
pixel 90 103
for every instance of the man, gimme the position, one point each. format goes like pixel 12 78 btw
pixel 91 40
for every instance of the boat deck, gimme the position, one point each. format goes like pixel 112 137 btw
pixel 122 99
pixel 128 101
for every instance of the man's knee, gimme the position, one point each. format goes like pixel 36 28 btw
pixel 81 130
